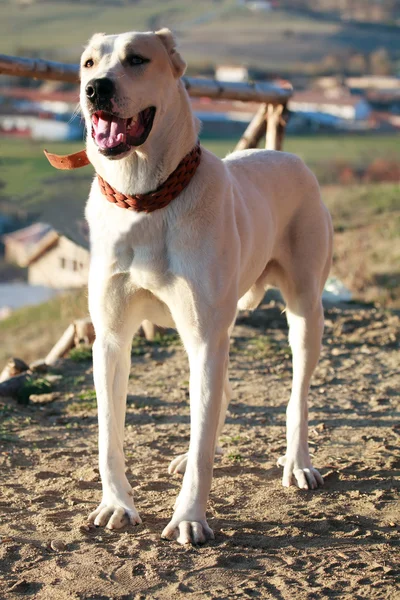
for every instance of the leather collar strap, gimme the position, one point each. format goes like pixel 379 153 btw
pixel 160 198
pixel 164 194
pixel 68 161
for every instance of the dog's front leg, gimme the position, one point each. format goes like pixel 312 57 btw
pixel 111 365
pixel 116 316
pixel 208 360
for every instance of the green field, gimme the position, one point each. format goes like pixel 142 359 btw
pixel 22 162
pixel 366 219
pixel 49 26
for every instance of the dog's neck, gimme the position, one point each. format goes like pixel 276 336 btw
pixel 150 165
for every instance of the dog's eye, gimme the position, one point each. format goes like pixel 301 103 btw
pixel 89 63
pixel 135 59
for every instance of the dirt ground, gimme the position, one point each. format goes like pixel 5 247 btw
pixel 270 542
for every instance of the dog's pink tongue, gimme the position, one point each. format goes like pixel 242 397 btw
pixel 109 131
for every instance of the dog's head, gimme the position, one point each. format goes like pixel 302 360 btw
pixel 125 83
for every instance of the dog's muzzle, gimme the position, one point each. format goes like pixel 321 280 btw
pixel 100 91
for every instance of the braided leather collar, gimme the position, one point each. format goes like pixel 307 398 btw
pixel 164 194
pixel 160 198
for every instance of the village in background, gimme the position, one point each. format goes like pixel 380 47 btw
pixel 345 92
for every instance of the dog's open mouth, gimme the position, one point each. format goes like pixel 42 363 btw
pixel 114 135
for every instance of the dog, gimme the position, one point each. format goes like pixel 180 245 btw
pixel 252 220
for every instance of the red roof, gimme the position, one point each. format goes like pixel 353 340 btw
pixel 319 97
pixel 36 95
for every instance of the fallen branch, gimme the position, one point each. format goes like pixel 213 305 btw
pixel 64 344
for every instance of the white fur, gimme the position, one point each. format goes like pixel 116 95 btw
pixel 251 220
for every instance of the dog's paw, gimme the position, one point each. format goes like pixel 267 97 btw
pixel 178 464
pixel 297 473
pixel 114 516
pixel 188 532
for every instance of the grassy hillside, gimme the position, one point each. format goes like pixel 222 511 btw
pixel 366 219
pixel 209 32
pixel 22 162
pixel 31 332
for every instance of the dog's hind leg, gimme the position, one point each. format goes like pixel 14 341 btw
pixel 306 321
pixel 178 464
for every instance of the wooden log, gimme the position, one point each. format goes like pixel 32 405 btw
pixel 255 130
pixel 65 343
pixel 282 127
pixel 149 330
pixel 273 117
pixel 38 69
pixel 258 91
pixel 14 367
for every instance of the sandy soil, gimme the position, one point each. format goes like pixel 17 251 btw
pixel 271 542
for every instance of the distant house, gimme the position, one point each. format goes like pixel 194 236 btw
pixel 63 265
pixel 384 100
pixel 39 127
pixel 54 259
pixel 23 245
pixel 223 117
pixel 42 113
pixel 42 99
pixel 259 5
pixel 372 82
pixel 232 73
pixel 331 102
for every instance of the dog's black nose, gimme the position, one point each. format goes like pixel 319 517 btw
pixel 98 89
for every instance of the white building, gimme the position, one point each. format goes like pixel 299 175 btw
pixel 341 105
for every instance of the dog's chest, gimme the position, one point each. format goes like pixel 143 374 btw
pixel 142 252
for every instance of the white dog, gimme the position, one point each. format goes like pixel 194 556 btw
pixel 238 225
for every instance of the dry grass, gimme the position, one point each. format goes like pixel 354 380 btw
pixel 30 332
pixel 367 229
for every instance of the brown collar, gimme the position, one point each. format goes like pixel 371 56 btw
pixel 161 197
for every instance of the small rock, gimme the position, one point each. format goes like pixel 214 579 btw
pixel 337 352
pixel 354 533
pixel 57 545
pixel 54 378
pixel 44 398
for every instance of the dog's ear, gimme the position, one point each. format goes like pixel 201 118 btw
pixel 177 62
pixel 96 37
